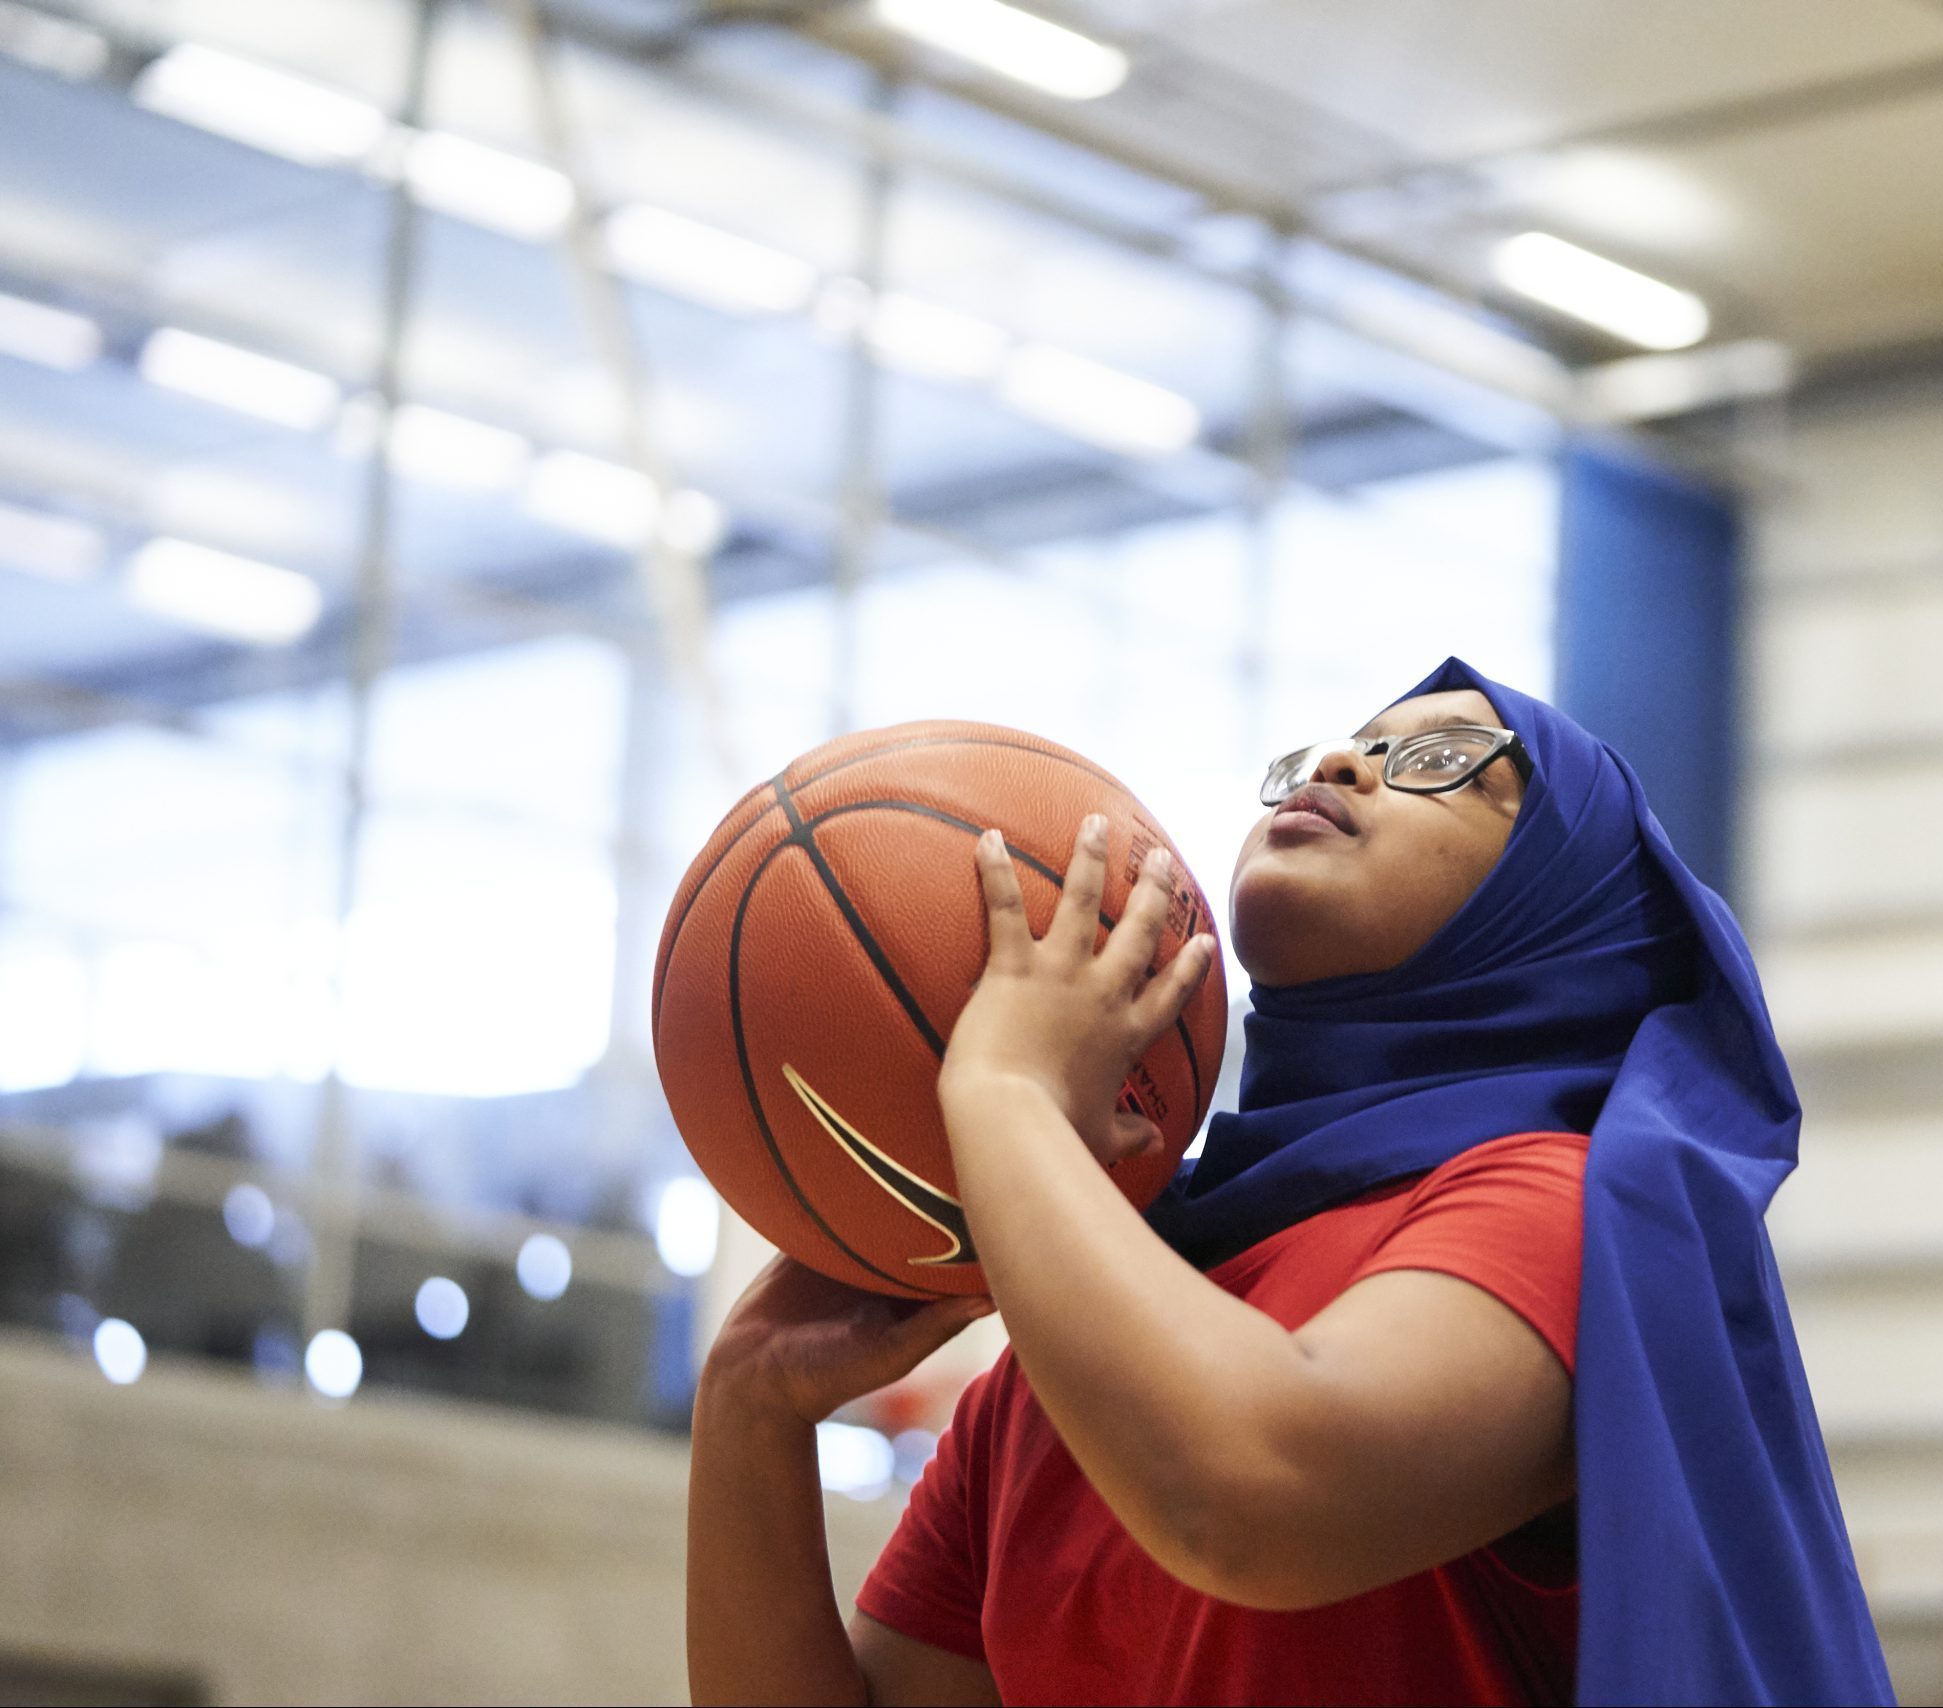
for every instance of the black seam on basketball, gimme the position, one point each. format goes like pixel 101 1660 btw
pixel 805 837
pixel 695 895
pixel 755 1097
pixel 1055 877
pixel 776 782
pixel 1032 862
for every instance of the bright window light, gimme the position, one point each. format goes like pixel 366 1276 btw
pixel 235 597
pixel 705 264
pixel 238 379
pixel 1014 43
pixel 1602 293
pixel 259 105
pixel 592 496
pixel 334 1364
pixel 249 1215
pixel 54 546
pixel 444 449
pixel 45 998
pixel 53 337
pixel 687 1222
pixel 544 1266
pixel 854 1461
pixel 929 339
pixel 1092 401
pixel 120 1350
pixel 488 186
pixel 441 1308
pixel 51 44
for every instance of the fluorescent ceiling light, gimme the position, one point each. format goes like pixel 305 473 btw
pixel 928 338
pixel 487 186
pixel 53 337
pixel 705 264
pixel 238 379
pixel 591 496
pixel 911 333
pixel 1092 401
pixel 235 597
pixel 453 450
pixel 1019 45
pixel 54 546
pixel 1602 293
pixel 695 523
pixel 51 44
pixel 259 105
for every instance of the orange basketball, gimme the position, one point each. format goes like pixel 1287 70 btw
pixel 819 952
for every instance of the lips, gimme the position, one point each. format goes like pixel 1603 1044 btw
pixel 1309 798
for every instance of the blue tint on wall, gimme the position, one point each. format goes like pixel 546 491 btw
pixel 1649 639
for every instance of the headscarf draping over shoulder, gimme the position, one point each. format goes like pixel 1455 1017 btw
pixel 1592 984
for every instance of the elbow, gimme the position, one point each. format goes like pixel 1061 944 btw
pixel 1244 1539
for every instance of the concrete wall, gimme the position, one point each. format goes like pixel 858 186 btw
pixel 392 1550
pixel 1843 861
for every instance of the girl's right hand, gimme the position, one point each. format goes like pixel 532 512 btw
pixel 800 1342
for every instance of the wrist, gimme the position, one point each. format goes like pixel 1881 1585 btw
pixel 976 1094
pixel 744 1392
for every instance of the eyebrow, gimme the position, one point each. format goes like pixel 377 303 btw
pixel 1424 721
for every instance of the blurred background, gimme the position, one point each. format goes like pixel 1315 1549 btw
pixel 449 449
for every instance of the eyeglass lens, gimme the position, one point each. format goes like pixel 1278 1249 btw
pixel 1432 759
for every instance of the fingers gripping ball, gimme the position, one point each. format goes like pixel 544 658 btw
pixel 818 953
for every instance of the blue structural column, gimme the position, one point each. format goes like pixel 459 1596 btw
pixel 1649 643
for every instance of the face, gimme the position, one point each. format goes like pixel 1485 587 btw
pixel 1312 903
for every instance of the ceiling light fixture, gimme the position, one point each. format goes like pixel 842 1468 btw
pixel 235 597
pixel 444 449
pixel 488 186
pixel 1017 44
pixel 53 337
pixel 1092 401
pixel 53 44
pixel 1602 293
pixel 259 105
pixel 54 546
pixel 587 495
pixel 238 379
pixel 705 264
pixel 929 339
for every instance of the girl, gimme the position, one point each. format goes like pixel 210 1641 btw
pixel 1456 1370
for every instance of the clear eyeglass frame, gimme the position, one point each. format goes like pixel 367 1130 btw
pixel 1477 745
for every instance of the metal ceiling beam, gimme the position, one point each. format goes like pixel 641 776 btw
pixel 1746 115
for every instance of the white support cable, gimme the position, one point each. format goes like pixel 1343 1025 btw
pixel 672 578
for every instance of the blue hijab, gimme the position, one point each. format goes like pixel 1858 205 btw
pixel 1592 984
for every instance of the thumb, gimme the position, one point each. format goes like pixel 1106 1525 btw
pixel 924 1331
pixel 1131 1135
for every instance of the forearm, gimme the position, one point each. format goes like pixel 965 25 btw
pixel 763 1624
pixel 1141 1363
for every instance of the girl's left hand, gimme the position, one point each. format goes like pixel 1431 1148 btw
pixel 1052 1013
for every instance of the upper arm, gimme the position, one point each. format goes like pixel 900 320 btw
pixel 1419 1418
pixel 902 1670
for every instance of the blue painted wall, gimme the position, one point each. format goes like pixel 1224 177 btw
pixel 1649 645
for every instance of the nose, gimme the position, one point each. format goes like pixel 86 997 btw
pixel 1347 767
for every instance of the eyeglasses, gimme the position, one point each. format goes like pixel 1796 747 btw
pixel 1431 762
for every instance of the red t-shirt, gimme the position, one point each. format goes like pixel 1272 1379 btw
pixel 1005 1553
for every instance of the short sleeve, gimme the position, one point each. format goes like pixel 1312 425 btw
pixel 929 1582
pixel 1508 1217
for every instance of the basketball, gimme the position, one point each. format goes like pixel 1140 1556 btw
pixel 819 951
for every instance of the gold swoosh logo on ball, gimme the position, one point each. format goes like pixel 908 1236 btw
pixel 913 1191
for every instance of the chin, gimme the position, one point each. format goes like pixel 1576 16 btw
pixel 1265 923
